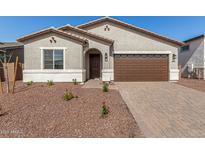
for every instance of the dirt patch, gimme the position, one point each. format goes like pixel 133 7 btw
pixel 40 111
pixel 193 83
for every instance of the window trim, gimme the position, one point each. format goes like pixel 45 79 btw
pixel 52 48
pixel 187 48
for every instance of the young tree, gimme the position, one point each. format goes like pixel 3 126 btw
pixel 4 60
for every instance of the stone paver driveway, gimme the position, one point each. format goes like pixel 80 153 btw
pixel 164 109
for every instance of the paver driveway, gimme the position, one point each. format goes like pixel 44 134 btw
pixel 164 109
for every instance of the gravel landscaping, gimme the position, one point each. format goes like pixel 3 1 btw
pixel 39 110
pixel 193 83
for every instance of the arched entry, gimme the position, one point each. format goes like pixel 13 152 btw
pixel 93 63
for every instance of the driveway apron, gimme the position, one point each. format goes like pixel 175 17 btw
pixel 164 109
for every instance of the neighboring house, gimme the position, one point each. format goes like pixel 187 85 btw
pixel 192 57
pixel 13 49
pixel 105 48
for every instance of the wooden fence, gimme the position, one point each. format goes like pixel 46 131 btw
pixel 19 75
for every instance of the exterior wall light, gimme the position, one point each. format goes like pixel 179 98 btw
pixel 174 57
pixel 106 57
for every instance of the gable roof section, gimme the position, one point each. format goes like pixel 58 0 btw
pixel 195 38
pixel 52 30
pixel 102 38
pixel 147 32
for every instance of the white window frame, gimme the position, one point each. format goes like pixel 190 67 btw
pixel 52 48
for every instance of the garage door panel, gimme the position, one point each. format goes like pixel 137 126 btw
pixel 141 68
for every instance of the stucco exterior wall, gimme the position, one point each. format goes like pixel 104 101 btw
pixel 103 47
pixel 124 38
pixel 73 52
pixel 99 45
pixel 130 40
pixel 73 64
pixel 195 55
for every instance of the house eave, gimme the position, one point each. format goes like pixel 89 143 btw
pixel 147 32
pixel 52 30
pixel 68 27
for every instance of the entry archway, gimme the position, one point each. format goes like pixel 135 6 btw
pixel 93 64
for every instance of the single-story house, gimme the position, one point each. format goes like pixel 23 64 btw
pixel 106 48
pixel 12 50
pixel 192 58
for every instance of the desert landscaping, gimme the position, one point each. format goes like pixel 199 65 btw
pixel 39 110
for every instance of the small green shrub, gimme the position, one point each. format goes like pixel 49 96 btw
pixel 29 83
pixel 75 81
pixel 68 95
pixel 50 83
pixel 105 87
pixel 104 110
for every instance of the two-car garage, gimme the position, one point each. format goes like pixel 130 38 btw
pixel 141 67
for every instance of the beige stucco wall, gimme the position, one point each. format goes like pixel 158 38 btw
pixel 130 40
pixel 103 47
pixel 73 52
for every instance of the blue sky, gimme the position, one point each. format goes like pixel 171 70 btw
pixel 180 28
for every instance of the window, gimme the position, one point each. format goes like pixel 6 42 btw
pixel 53 59
pixel 185 48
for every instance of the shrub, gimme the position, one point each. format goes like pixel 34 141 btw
pixel 50 83
pixel 75 81
pixel 104 110
pixel 68 95
pixel 29 83
pixel 105 87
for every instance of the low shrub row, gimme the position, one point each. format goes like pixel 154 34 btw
pixel 51 83
pixel 68 95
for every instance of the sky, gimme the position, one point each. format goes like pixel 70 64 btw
pixel 176 27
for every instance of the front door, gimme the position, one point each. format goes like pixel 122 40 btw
pixel 94 66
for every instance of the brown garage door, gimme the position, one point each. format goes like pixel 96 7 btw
pixel 141 67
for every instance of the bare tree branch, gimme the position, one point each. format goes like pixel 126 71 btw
pixel 1 61
pixel 10 57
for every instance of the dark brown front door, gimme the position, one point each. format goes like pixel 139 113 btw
pixel 94 66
